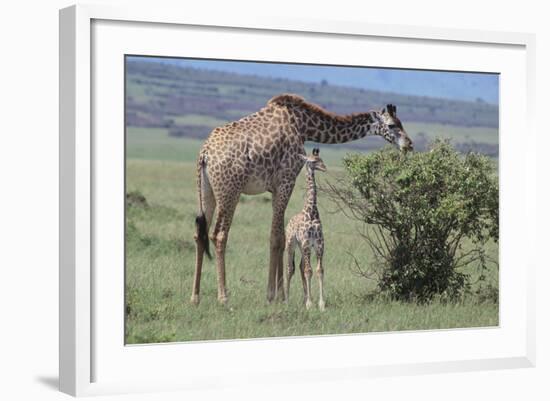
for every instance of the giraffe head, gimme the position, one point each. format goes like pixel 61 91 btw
pixel 392 130
pixel 314 162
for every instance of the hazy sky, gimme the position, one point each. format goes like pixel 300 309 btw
pixel 451 85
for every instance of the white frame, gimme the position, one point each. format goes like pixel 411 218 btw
pixel 76 206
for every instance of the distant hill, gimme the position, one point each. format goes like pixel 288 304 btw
pixel 190 101
pixel 448 85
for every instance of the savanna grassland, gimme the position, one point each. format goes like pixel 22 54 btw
pixel 160 258
pixel 169 112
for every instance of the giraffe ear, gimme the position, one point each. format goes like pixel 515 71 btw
pixel 304 158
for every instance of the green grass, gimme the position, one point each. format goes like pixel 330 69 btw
pixel 160 263
pixel 199 119
pixel 156 144
pixel 456 133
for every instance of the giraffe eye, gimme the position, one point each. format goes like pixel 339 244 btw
pixel 392 126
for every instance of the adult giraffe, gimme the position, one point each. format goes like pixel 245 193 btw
pixel 261 152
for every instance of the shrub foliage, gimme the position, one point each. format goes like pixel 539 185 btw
pixel 425 215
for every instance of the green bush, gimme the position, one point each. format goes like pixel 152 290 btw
pixel 426 215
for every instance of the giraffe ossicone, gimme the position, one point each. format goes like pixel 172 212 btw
pixel 260 153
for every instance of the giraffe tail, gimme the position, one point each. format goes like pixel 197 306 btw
pixel 200 222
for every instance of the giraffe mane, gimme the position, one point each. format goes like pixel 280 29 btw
pixel 290 99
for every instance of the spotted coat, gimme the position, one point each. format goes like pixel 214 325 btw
pixel 305 231
pixel 259 153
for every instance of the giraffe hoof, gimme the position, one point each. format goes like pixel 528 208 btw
pixel 270 298
pixel 309 304
pixel 322 306
pixel 222 301
pixel 195 299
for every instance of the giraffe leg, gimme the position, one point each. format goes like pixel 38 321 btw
pixel 277 244
pixel 208 206
pixel 290 268
pixel 320 274
pixel 275 277
pixel 224 216
pixel 307 273
pixel 302 274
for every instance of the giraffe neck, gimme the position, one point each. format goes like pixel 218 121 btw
pixel 318 125
pixel 327 128
pixel 310 205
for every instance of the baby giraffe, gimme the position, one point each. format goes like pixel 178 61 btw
pixel 305 230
